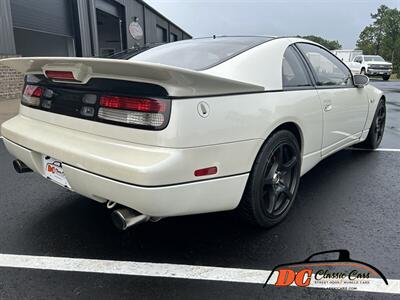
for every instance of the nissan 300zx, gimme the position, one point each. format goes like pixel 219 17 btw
pixel 190 127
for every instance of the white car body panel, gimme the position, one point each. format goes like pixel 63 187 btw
pixel 254 66
pixel 223 193
pixel 345 112
pixel 153 171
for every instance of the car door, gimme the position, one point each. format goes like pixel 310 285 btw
pixel 298 85
pixel 345 107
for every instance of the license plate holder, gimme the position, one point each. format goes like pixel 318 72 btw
pixel 54 171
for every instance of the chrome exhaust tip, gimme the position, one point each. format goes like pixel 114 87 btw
pixel 124 218
pixel 20 167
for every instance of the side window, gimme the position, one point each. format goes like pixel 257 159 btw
pixel 294 74
pixel 358 59
pixel 329 70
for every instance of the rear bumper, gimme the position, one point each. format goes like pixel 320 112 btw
pixel 211 195
pixel 128 162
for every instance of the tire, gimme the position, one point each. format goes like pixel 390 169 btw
pixel 363 71
pixel 273 182
pixel 386 77
pixel 377 128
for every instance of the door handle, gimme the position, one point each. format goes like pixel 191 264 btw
pixel 327 107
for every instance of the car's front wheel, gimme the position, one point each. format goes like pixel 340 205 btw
pixel 386 77
pixel 273 182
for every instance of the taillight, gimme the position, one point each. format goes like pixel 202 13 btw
pixel 61 75
pixel 31 95
pixel 138 104
pixel 137 111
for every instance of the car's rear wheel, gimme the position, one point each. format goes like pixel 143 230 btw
pixel 273 182
pixel 377 128
pixel 386 77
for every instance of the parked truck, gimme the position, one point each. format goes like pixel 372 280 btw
pixel 370 65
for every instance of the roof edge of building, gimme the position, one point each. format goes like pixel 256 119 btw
pixel 164 17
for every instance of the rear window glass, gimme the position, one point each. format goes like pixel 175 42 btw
pixel 199 54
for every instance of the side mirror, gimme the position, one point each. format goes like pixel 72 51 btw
pixel 360 80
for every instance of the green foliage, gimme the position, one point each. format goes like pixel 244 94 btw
pixel 382 37
pixel 331 45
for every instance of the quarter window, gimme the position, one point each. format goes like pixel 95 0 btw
pixel 294 74
pixel 328 69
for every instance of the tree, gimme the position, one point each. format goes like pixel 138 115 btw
pixel 382 37
pixel 391 29
pixel 370 40
pixel 331 45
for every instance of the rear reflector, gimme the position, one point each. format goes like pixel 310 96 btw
pixel 61 75
pixel 137 104
pixel 206 171
pixel 31 95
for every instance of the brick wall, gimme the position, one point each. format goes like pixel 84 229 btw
pixel 10 81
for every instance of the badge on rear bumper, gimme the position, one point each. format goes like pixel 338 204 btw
pixel 53 170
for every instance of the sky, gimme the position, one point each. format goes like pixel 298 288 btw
pixel 341 20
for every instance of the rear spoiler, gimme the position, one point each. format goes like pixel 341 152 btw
pixel 178 82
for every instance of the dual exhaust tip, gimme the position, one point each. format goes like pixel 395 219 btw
pixel 123 218
pixel 20 167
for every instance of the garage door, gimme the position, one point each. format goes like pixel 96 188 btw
pixel 49 16
pixel 43 27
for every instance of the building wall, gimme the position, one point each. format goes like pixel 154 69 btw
pixel 82 27
pixel 11 81
pixel 175 30
pixel 147 17
pixel 46 21
pixel 134 9
pixel 82 15
pixel 7 44
pixel 47 16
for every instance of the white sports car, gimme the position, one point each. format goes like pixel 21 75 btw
pixel 191 127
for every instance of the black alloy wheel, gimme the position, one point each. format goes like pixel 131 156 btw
pixel 377 128
pixel 280 180
pixel 380 123
pixel 273 182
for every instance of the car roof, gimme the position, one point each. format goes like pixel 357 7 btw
pixel 235 36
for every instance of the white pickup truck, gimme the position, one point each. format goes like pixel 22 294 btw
pixel 371 65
